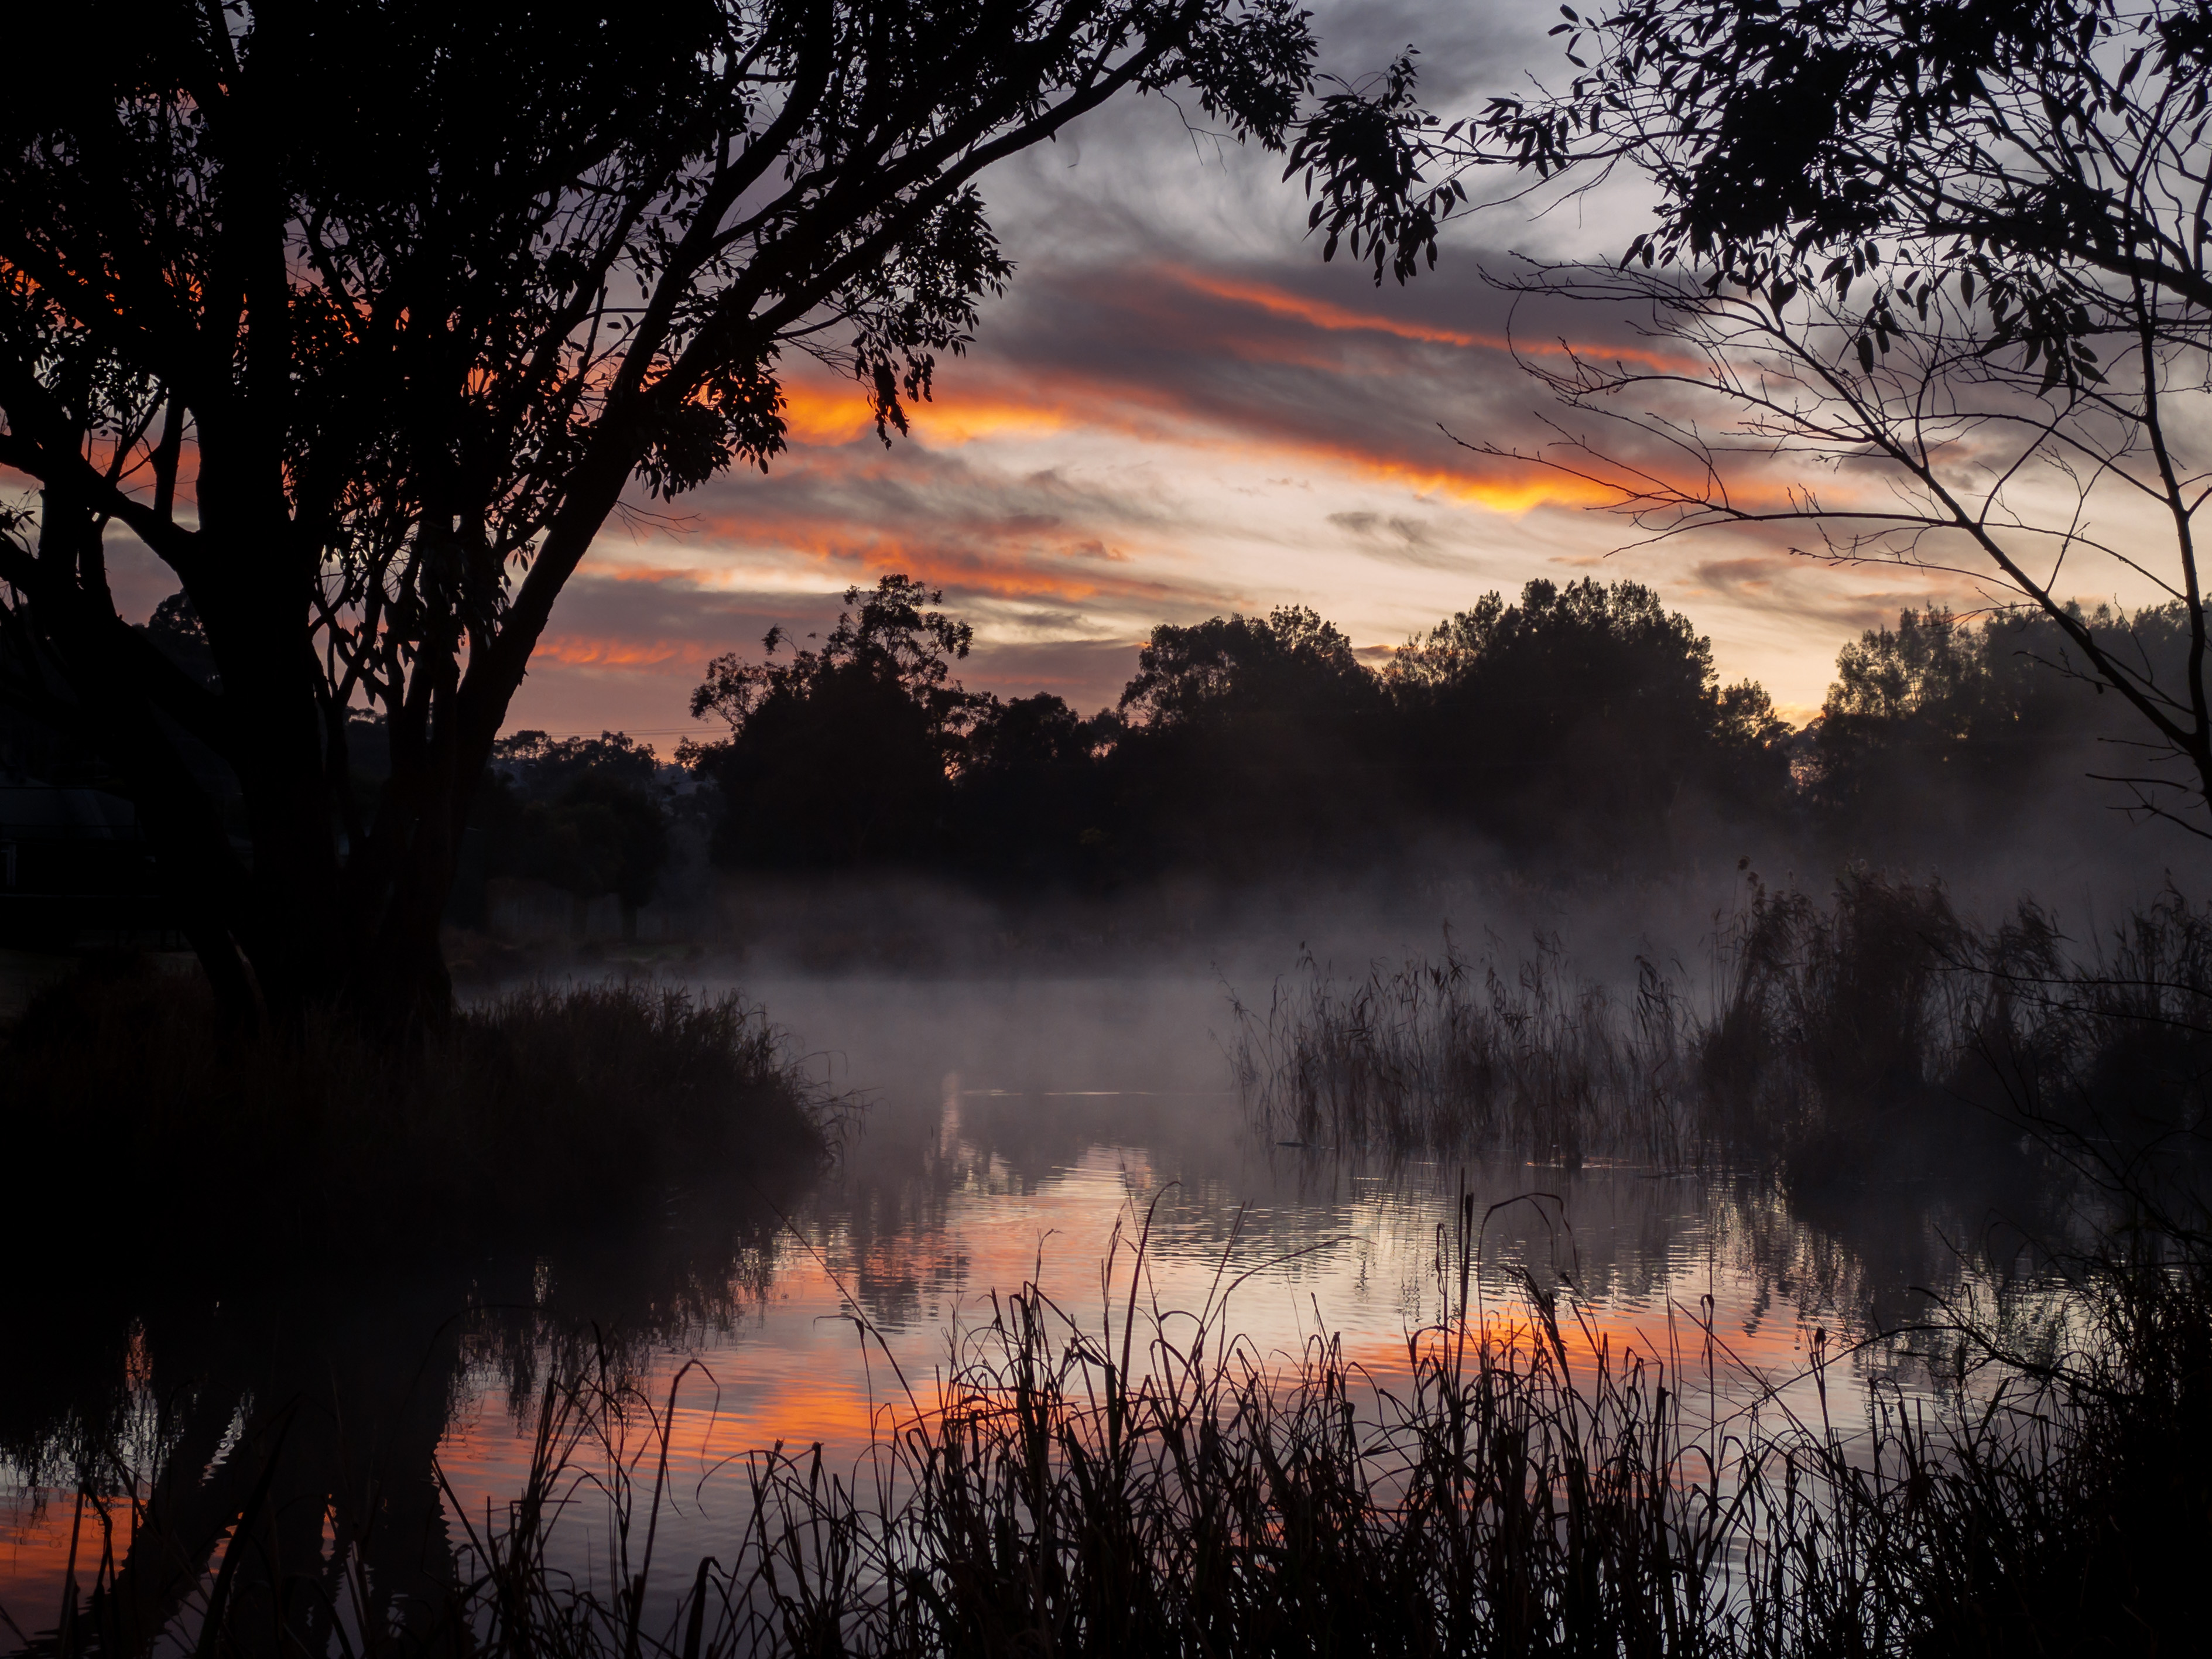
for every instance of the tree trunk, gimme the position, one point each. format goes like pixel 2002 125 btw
pixel 313 925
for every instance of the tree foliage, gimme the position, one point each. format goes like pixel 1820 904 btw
pixel 1966 720
pixel 1963 242
pixel 362 315
pixel 586 815
pixel 1290 661
pixel 1577 705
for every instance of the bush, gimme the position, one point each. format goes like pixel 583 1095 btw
pixel 545 1104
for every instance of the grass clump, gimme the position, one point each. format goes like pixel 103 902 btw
pixel 544 1103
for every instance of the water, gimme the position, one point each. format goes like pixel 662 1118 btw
pixel 1009 1129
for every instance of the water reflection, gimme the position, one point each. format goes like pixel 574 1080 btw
pixel 1010 1128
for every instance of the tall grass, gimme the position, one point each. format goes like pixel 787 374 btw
pixel 1445 1053
pixel 1508 1483
pixel 1879 1020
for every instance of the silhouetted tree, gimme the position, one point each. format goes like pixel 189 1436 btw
pixel 1291 660
pixel 841 755
pixel 1252 743
pixel 1584 712
pixel 176 629
pixel 598 835
pixel 1029 806
pixel 1955 245
pixel 584 815
pixel 543 766
pixel 1244 748
pixel 363 314
pixel 1958 727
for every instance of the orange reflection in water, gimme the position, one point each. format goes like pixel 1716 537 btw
pixel 796 1370
pixel 43 1545
pixel 801 1373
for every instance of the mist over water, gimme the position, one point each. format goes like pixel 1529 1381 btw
pixel 1002 1128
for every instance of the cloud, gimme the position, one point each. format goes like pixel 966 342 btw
pixel 1178 410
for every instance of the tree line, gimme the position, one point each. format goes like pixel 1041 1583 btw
pixel 1578 725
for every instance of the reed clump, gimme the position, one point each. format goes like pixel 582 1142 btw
pixel 544 1102
pixel 1878 1021
pixel 1445 1052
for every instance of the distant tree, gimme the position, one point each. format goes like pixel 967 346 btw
pixel 1582 711
pixel 843 754
pixel 1950 259
pixel 598 835
pixel 543 766
pixel 176 629
pixel 584 815
pixel 1029 806
pixel 1029 733
pixel 1251 743
pixel 1963 721
pixel 363 317
pixel 1291 659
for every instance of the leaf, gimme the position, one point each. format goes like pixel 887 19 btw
pixel 1866 354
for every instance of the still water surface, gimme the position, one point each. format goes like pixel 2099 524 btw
pixel 1007 1129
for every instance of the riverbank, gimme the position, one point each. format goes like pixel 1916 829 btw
pixel 538 1106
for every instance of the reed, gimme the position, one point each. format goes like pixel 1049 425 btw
pixel 1508 1483
pixel 1444 1053
pixel 1876 1022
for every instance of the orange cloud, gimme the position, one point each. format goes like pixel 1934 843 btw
pixel 818 417
pixel 961 417
pixel 977 408
pixel 583 651
pixel 1323 315
pixel 654 573
pixel 1525 489
pixel 1072 573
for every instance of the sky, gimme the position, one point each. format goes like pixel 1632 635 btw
pixel 1179 411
